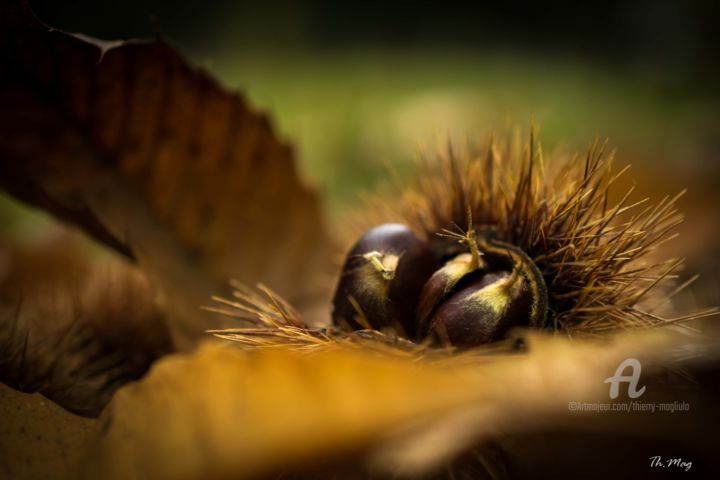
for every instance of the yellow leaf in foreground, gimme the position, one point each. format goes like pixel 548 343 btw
pixel 225 412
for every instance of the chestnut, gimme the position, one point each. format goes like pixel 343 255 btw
pixel 381 280
pixel 442 283
pixel 480 305
pixel 445 279
pixel 483 310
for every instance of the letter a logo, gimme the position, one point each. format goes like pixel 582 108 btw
pixel 633 379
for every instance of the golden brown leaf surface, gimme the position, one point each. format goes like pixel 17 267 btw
pixel 152 157
pixel 38 439
pixel 224 412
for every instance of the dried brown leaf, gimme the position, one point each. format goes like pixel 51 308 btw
pixel 153 158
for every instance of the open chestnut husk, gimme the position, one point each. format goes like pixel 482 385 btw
pixel 463 296
pixel 382 278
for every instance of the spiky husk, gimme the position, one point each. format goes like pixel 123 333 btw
pixel 275 324
pixel 600 258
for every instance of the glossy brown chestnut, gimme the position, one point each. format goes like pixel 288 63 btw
pixel 476 297
pixel 442 283
pixel 382 278
pixel 482 310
